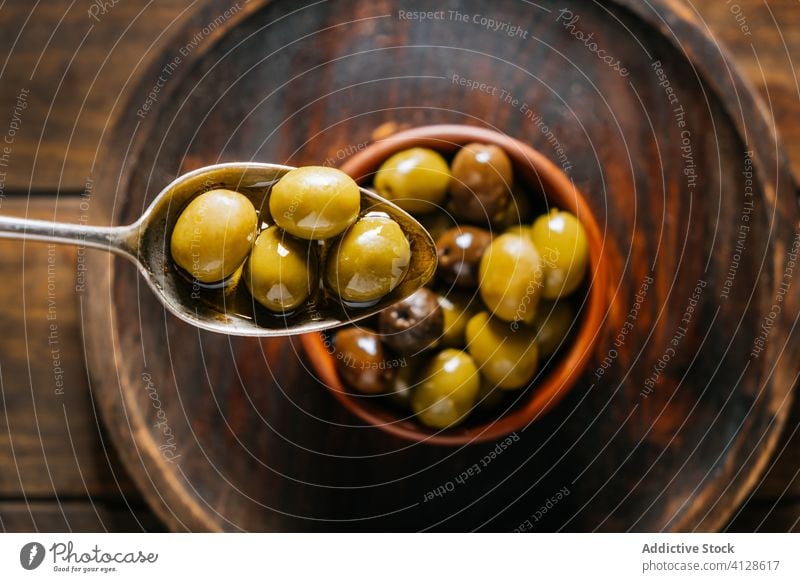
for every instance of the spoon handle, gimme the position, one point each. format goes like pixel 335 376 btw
pixel 118 239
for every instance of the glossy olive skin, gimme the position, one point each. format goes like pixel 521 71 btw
pixel 213 235
pixel 511 278
pixel 481 185
pixel 507 358
pixel 553 322
pixel 437 411
pixel 460 251
pixel 457 310
pixel 281 271
pixel 415 179
pixel 413 324
pixel 564 247
pixel 369 260
pixel 448 389
pixel 361 361
pixel 315 202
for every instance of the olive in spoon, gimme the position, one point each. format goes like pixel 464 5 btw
pixel 227 308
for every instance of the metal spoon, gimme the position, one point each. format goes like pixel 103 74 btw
pixel 146 243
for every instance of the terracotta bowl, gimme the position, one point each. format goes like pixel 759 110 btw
pixel 536 174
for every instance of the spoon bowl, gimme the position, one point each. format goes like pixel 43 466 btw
pixel 227 308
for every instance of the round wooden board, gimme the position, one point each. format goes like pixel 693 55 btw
pixel 676 418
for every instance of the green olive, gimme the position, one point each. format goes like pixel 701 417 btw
pixel 448 389
pixel 511 278
pixel 315 202
pixel 415 179
pixel 506 357
pixel 457 309
pixel 553 323
pixel 369 260
pixel 562 242
pixel 437 412
pixel 213 235
pixel 281 271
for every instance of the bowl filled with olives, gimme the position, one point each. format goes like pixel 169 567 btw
pixel 511 318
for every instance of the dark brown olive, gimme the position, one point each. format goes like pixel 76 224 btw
pixel 480 189
pixel 413 324
pixel 361 362
pixel 460 250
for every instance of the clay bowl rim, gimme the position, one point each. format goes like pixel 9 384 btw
pixel 560 191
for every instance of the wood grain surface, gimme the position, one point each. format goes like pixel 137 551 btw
pixel 55 151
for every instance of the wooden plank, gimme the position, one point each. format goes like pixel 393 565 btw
pixel 70 82
pixel 77 516
pixel 51 441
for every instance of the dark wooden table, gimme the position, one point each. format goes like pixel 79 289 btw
pixel 64 75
